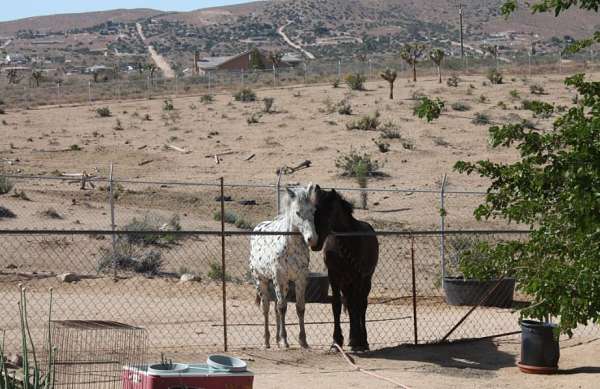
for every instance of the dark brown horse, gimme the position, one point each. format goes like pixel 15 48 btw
pixel 351 251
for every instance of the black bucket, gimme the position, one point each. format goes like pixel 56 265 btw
pixel 470 292
pixel 539 344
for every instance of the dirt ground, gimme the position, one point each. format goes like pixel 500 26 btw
pixel 44 141
pixel 477 364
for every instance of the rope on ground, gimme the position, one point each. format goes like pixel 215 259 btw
pixel 358 368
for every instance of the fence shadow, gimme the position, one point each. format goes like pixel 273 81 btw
pixel 477 355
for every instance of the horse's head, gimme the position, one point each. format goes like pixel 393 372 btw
pixel 332 212
pixel 300 210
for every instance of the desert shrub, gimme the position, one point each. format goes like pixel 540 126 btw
pixel 539 108
pixel 390 131
pixel 494 76
pixel 268 104
pixel 51 213
pixel 439 141
pixel 351 164
pixel 502 105
pixel 75 147
pixel 526 123
pixel 452 81
pixel 245 95
pixel 254 118
pixel 6 213
pixel 141 231
pixel 103 112
pixel 215 272
pixel 483 99
pixel 118 126
pixel 537 89
pixel 336 83
pixel 344 107
pixel 481 119
pixel 460 106
pixel 2 111
pixel 365 123
pixel 356 81
pixel 146 118
pixel 408 144
pixel 168 105
pixel 243 224
pixel 428 109
pixel 230 217
pixel 207 99
pixel 514 94
pixel 127 257
pixel 383 146
pixel 6 185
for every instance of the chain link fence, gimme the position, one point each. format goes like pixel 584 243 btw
pixel 81 89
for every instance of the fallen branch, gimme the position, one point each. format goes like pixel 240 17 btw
pixel 220 154
pixel 145 162
pixel 291 170
pixel 249 157
pixel 184 151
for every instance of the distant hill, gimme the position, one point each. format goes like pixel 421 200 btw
pixel 64 22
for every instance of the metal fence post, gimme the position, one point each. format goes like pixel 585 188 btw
pixel 176 85
pixel 414 289
pixel 339 69
pixel 278 191
pixel 223 266
pixel 111 201
pixel 443 227
pixel 274 76
pixel 242 76
pixel 208 73
pixel 90 92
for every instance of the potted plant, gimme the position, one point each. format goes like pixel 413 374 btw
pixel 476 278
pixel 554 189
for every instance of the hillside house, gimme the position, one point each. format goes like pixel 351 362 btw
pixel 243 62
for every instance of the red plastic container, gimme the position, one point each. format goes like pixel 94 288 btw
pixel 195 377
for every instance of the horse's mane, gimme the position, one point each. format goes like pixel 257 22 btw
pixel 345 204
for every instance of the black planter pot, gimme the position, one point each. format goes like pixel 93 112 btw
pixel 540 350
pixel 470 292
pixel 317 289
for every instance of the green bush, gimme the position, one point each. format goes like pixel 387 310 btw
pixel 141 231
pixel 207 99
pixel 365 123
pixel 536 89
pixel 245 95
pixel 103 112
pixel 168 105
pixel 344 107
pixel 6 185
pixel 460 106
pixel 353 163
pixel 452 81
pixel 481 119
pixel 428 109
pixel 128 257
pixel 494 76
pixel 268 102
pixel 356 81
pixel 215 272
pixel 539 108
pixel 390 131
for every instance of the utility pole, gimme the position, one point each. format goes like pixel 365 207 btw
pixel 462 46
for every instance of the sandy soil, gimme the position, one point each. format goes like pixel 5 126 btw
pixel 299 129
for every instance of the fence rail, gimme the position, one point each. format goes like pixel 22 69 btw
pixel 137 282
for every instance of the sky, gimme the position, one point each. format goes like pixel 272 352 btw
pixel 22 9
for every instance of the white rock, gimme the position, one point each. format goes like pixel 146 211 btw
pixel 68 277
pixel 188 277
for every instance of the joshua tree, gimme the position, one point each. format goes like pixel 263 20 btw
pixel 276 58
pixel 412 53
pixel 13 76
pixel 390 76
pixel 36 77
pixel 437 56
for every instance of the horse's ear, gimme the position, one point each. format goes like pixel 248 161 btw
pixel 291 193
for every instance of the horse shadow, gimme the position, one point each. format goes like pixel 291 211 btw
pixel 476 355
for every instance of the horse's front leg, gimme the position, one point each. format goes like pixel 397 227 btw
pixel 336 305
pixel 281 289
pixel 300 308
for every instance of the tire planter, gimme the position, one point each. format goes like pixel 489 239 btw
pixel 317 289
pixel 540 349
pixel 470 292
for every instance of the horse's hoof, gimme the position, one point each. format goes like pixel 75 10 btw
pixel 304 345
pixel 359 348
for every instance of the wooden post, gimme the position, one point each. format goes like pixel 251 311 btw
pixel 414 289
pixel 112 220
pixel 223 266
